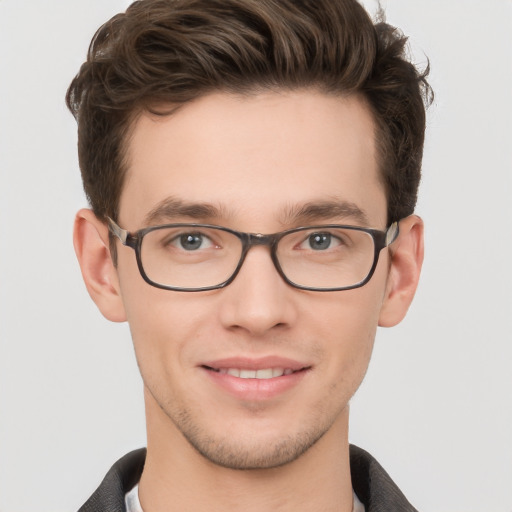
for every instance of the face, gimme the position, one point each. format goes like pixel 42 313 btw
pixel 255 161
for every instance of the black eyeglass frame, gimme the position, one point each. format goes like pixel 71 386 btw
pixel 381 239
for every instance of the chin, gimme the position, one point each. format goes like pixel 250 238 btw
pixel 251 449
pixel 264 455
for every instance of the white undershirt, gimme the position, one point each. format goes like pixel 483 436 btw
pixel 133 504
pixel 131 500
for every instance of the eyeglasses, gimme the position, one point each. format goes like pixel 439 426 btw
pixel 199 257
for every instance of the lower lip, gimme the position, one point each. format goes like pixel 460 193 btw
pixel 256 389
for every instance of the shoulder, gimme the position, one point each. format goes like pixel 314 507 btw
pixel 122 476
pixel 373 486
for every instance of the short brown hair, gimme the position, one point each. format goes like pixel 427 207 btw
pixel 173 51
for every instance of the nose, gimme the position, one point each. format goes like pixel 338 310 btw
pixel 258 301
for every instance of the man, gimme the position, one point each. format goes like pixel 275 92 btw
pixel 252 168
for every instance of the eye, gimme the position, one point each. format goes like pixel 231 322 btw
pixel 191 241
pixel 320 241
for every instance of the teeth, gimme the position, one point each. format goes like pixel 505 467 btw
pixel 266 373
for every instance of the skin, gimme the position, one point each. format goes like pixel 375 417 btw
pixel 255 158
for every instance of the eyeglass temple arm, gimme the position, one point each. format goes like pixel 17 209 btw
pixel 122 234
pixel 391 233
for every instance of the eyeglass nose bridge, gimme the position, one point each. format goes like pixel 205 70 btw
pixel 257 239
pixel 254 239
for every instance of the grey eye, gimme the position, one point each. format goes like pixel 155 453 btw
pixel 320 241
pixel 192 241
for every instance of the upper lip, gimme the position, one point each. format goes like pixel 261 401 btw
pixel 248 363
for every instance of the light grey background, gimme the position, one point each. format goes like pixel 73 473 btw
pixel 436 406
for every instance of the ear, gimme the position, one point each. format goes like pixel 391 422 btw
pixel 90 238
pixel 406 255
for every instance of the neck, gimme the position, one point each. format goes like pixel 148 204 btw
pixel 176 477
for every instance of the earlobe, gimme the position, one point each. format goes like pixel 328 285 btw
pixel 406 255
pixel 90 238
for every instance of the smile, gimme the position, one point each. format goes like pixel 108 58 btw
pixel 264 373
pixel 256 379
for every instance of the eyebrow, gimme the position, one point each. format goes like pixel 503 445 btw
pixel 325 210
pixel 314 211
pixel 171 208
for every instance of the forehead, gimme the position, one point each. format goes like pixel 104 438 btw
pixel 253 156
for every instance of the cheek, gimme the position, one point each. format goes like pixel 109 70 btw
pixel 167 335
pixel 354 337
pixel 160 321
pixel 348 326
pixel 351 316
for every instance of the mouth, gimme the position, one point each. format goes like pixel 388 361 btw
pixel 260 379
pixel 261 374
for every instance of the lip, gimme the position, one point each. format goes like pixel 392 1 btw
pixel 253 389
